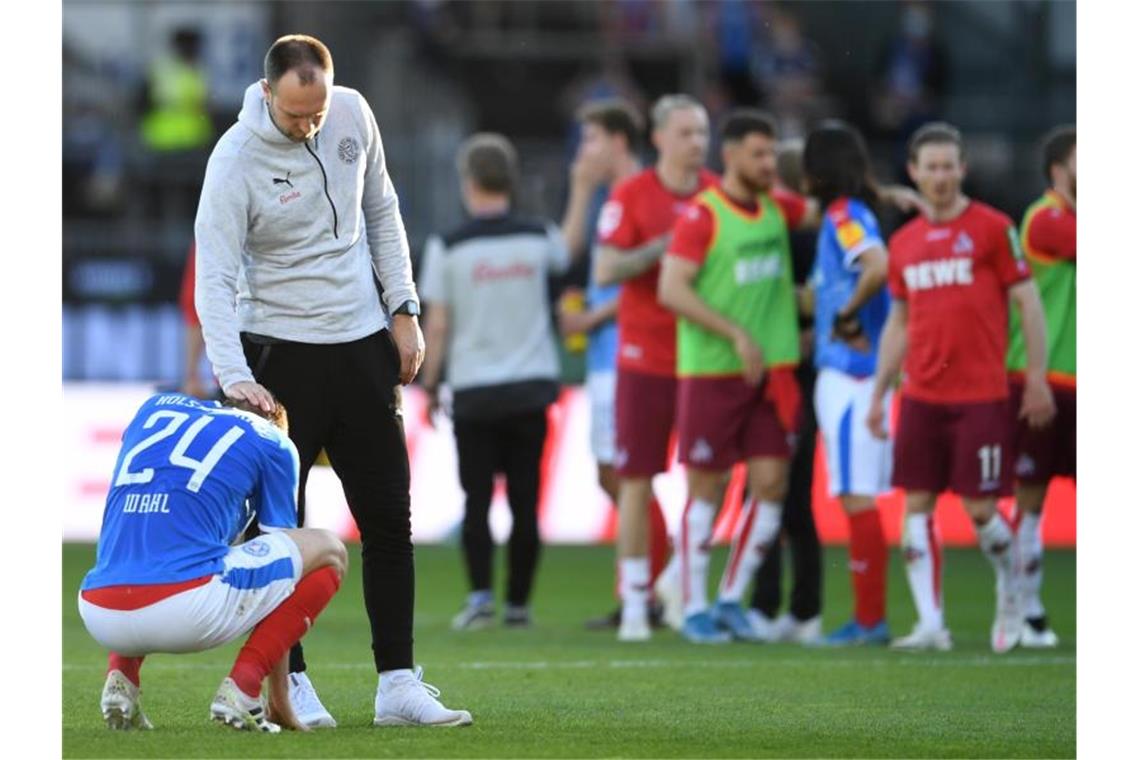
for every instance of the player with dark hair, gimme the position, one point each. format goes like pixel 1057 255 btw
pixel 1049 237
pixel 167 577
pixel 610 137
pixel 951 279
pixel 728 277
pixel 851 303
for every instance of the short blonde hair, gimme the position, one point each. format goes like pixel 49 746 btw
pixel 667 104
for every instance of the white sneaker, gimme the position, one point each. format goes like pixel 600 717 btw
pixel 634 629
pixel 921 638
pixel 1031 638
pixel 808 633
pixel 233 707
pixel 120 704
pixel 408 701
pixel 784 629
pixel 788 629
pixel 765 627
pixel 474 616
pixel 306 704
pixel 1008 620
pixel 668 592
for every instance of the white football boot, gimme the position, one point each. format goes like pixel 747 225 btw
pixel 921 639
pixel 1031 638
pixel 1008 620
pixel 306 704
pixel 634 628
pixel 234 708
pixel 407 701
pixel 668 592
pixel 120 704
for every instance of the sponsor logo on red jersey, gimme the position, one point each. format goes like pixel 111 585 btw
pixel 939 273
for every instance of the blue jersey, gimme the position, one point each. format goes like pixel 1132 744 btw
pixel 189 476
pixel 602 347
pixel 849 228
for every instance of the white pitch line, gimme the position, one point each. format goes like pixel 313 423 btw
pixel 909 660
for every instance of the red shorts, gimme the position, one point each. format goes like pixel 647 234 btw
pixel 1041 455
pixel 965 448
pixel 723 420
pixel 645 408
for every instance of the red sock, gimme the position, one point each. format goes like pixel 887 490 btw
pixel 129 666
pixel 283 628
pixel 658 541
pixel 868 567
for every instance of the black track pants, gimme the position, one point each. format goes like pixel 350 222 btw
pixel 513 446
pixel 346 399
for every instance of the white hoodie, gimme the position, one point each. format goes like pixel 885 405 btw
pixel 288 234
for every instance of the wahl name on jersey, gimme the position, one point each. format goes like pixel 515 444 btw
pixel 146 503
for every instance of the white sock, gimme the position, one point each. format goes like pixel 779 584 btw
pixel 671 573
pixel 923 554
pixel 996 541
pixel 634 588
pixel 696 534
pixel 1030 551
pixel 756 529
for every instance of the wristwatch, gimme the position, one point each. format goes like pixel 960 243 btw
pixel 408 308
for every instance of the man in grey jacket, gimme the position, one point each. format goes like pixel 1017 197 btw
pixel 297 219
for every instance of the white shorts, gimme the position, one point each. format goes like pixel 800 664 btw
pixel 857 462
pixel 601 388
pixel 259 575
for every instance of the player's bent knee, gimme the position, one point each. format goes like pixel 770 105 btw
pixel 320 548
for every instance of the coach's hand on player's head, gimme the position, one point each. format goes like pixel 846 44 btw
pixel 1037 406
pixel 255 394
pixel 876 418
pixel 410 343
pixel 751 355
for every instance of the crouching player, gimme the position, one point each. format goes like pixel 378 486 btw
pixel 190 476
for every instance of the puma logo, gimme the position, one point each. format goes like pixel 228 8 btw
pixel 284 181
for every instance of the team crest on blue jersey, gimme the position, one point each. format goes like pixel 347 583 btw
pixel 256 548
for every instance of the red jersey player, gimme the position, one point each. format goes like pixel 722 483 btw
pixel 951 278
pixel 1049 236
pixel 633 232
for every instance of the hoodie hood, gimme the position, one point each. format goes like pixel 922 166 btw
pixel 254 114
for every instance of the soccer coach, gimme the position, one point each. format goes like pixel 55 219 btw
pixel 297 218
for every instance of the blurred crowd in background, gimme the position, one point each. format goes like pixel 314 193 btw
pixel 149 87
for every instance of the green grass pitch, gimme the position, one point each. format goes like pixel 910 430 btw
pixel 557 690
